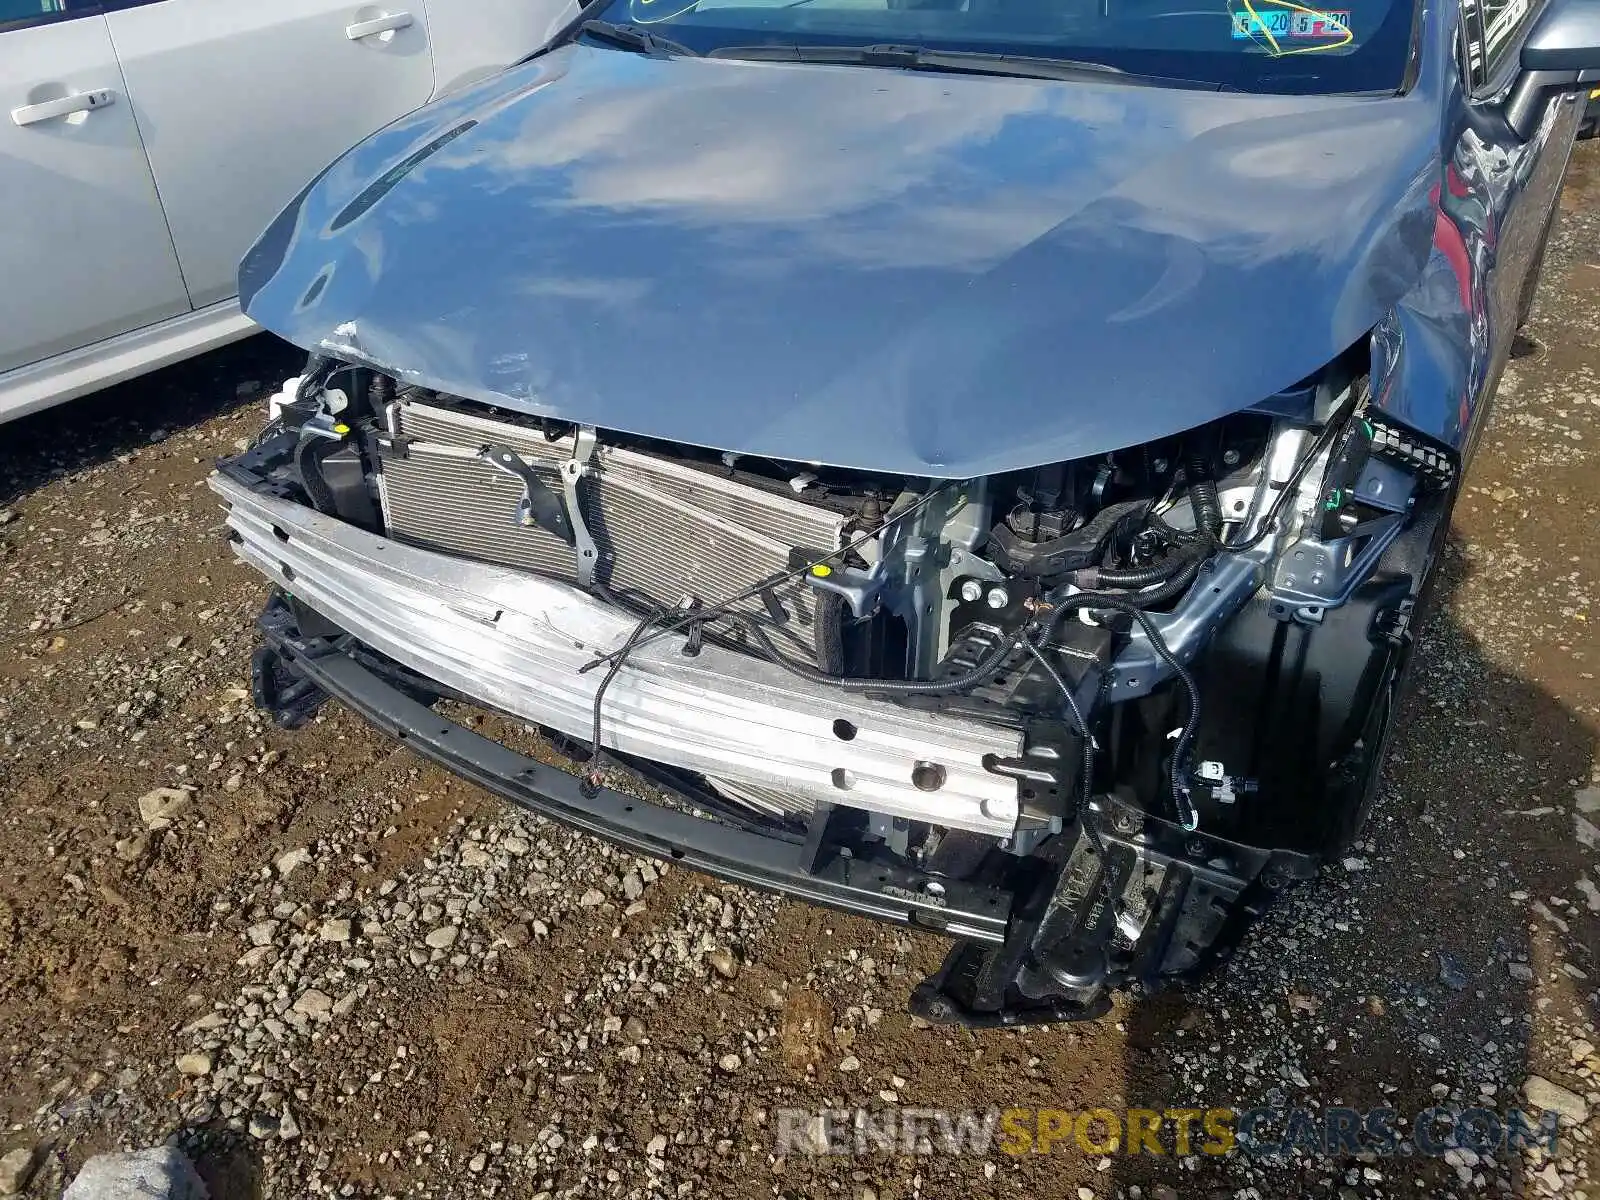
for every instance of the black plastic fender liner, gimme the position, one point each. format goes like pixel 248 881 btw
pixel 881 890
pixel 1289 705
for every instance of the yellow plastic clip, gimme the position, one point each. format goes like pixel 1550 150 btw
pixel 821 570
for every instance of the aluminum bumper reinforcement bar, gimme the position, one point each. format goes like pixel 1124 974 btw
pixel 515 641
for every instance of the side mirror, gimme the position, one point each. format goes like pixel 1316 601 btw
pixel 1561 53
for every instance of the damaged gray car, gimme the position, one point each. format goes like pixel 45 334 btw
pixel 981 461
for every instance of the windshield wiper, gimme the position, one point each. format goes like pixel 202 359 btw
pixel 631 37
pixel 971 62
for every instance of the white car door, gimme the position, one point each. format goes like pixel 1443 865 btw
pixel 242 102
pixel 475 38
pixel 84 252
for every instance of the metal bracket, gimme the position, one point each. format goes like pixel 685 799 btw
pixel 860 589
pixel 320 424
pixel 539 507
pixel 573 471
pixel 1364 506
pixel 1315 575
pixel 389 447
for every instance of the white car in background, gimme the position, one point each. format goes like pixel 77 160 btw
pixel 144 144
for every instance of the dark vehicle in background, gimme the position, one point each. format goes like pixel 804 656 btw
pixel 983 459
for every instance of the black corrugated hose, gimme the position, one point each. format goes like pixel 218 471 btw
pixel 1203 496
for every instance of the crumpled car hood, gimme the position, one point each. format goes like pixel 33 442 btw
pixel 916 273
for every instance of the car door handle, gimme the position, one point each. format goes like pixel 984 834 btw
pixel 31 114
pixel 364 29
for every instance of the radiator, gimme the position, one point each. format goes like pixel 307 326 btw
pixel 662 530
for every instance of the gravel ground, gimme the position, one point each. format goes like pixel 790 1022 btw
pixel 325 967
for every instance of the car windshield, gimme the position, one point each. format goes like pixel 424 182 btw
pixel 1248 45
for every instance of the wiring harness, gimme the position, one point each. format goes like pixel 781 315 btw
pixel 1131 591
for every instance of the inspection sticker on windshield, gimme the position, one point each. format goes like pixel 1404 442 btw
pixel 1301 24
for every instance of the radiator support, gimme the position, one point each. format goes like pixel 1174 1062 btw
pixel 651 529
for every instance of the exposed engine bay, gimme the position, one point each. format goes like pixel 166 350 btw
pixel 1136 695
